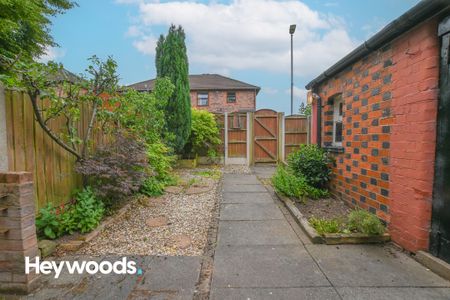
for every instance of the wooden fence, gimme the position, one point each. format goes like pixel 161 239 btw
pixel 30 149
pixel 296 133
pixel 261 136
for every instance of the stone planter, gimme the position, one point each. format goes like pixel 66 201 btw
pixel 187 163
pixel 329 238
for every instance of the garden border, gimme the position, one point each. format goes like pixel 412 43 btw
pixel 329 238
pixel 77 243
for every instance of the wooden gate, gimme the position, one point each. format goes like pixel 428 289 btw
pixel 265 126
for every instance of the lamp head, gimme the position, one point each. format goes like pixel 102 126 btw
pixel 292 28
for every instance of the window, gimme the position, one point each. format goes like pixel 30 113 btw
pixel 231 97
pixel 202 99
pixel 338 106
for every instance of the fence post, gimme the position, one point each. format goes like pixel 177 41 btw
pixel 308 130
pixel 3 135
pixel 248 137
pixel 281 137
pixel 225 125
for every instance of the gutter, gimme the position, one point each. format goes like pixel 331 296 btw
pixel 419 13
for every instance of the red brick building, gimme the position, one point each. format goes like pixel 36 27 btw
pixel 215 93
pixel 383 110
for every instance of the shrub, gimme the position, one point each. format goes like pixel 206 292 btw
pixel 363 221
pixel 291 185
pixel 47 222
pixel 152 187
pixel 312 163
pixel 160 161
pixel 88 211
pixel 326 226
pixel 205 135
pixel 118 170
pixel 84 215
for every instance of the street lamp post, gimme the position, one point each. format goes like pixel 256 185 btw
pixel 291 31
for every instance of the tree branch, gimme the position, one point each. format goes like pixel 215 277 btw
pixel 33 98
pixel 89 129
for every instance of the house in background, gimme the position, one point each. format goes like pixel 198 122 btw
pixel 215 93
pixel 384 111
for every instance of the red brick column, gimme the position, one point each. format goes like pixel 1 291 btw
pixel 17 232
pixel 413 135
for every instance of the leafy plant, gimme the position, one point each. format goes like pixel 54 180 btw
pixel 118 170
pixel 47 222
pixel 214 173
pixel 288 184
pixel 160 161
pixel 142 114
pixel 312 163
pixel 56 94
pixel 25 29
pixel 205 134
pixel 152 187
pixel 326 225
pixel 363 221
pixel 88 210
pixel 68 221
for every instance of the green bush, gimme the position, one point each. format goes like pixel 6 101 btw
pixel 363 221
pixel 326 226
pixel 152 187
pixel 47 222
pixel 205 135
pixel 312 163
pixel 160 161
pixel 83 216
pixel 291 185
pixel 88 210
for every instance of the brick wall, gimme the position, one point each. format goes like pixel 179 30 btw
pixel 413 137
pixel 387 163
pixel 18 232
pixel 245 101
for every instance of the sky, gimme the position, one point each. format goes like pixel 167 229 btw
pixel 247 40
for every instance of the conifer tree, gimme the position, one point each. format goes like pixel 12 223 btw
pixel 171 61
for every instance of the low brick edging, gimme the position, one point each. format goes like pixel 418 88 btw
pixel 18 232
pixel 329 238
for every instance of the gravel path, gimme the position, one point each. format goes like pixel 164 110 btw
pixel 173 224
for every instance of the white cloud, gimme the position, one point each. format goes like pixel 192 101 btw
pixel 248 34
pixel 146 45
pixel 52 53
pixel 299 93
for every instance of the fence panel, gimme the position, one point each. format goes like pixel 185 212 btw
pixel 237 135
pixel 296 132
pixel 31 149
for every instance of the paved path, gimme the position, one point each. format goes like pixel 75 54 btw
pixel 262 254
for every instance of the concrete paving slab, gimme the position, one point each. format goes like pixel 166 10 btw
pixel 265 266
pixel 240 179
pixel 170 274
pixel 314 293
pixel 263 197
pixel 264 172
pixel 275 232
pixel 244 188
pixel 395 293
pixel 372 265
pixel 250 211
